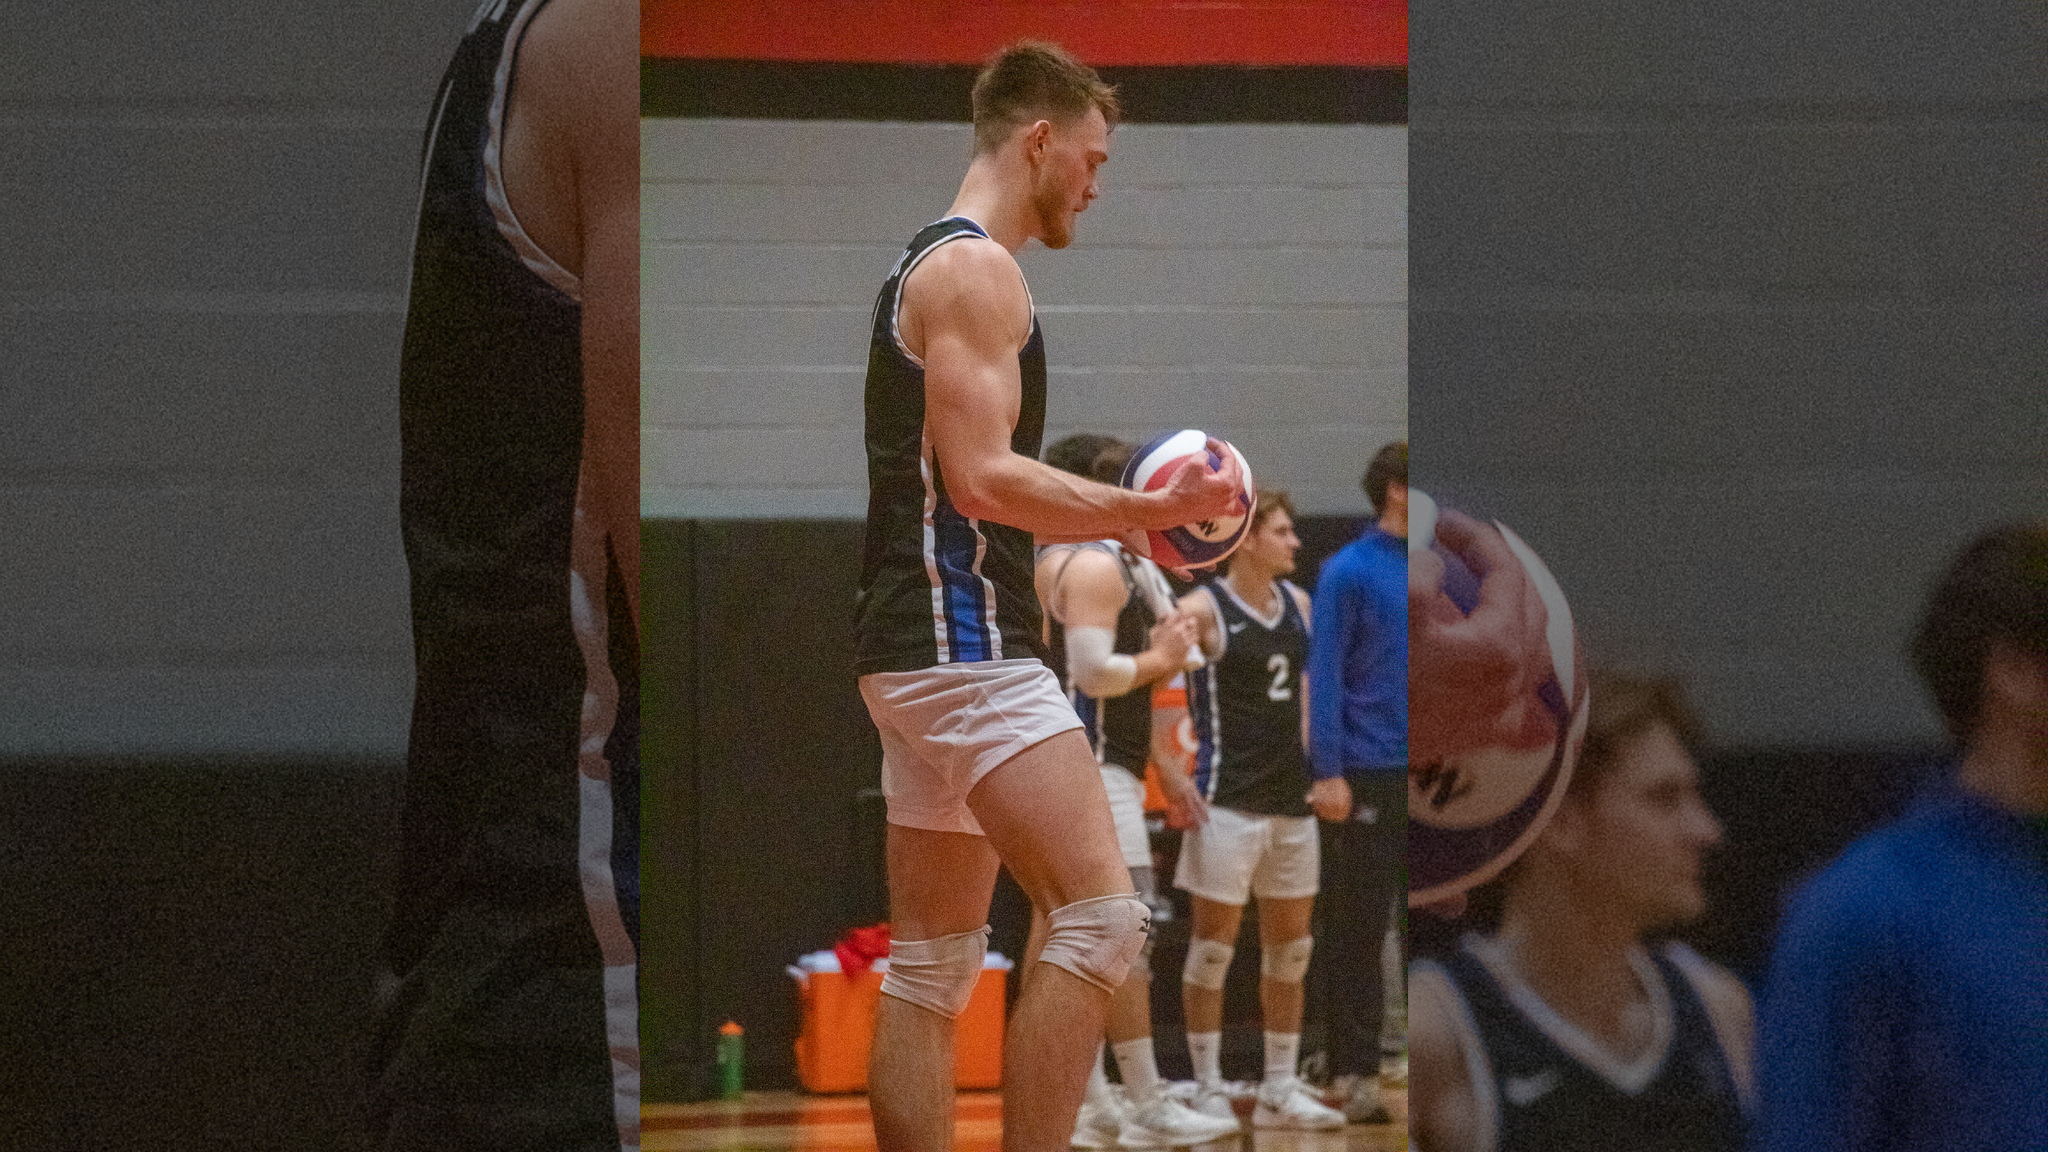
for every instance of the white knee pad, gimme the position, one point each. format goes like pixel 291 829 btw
pixel 938 974
pixel 1097 939
pixel 1208 961
pixel 1286 963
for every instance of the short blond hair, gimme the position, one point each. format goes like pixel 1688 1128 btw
pixel 1035 80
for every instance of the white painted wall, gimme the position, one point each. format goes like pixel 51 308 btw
pixel 1250 280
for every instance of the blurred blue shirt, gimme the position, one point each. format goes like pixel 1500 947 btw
pixel 1358 658
pixel 1907 1005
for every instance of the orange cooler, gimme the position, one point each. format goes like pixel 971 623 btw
pixel 838 1014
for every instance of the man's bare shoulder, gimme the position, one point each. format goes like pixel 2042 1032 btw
pixel 972 279
pixel 573 50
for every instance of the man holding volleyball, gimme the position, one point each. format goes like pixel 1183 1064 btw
pixel 983 759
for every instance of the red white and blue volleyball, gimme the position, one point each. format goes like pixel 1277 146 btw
pixel 1205 542
pixel 1478 802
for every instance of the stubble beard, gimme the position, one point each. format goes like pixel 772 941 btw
pixel 1056 226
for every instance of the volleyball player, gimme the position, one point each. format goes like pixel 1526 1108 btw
pixel 1571 1027
pixel 983 757
pixel 1254 834
pixel 1109 650
pixel 510 1017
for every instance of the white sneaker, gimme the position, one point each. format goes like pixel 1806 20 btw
pixel 1211 1100
pixel 1100 1121
pixel 1164 1122
pixel 1359 1097
pixel 1287 1104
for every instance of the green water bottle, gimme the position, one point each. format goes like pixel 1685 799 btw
pixel 732 1060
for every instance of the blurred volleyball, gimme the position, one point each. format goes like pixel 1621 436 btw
pixel 1205 542
pixel 1485 782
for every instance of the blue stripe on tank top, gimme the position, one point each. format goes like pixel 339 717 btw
pixel 1203 701
pixel 955 543
pixel 1089 709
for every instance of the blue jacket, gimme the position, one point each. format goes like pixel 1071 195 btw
pixel 1907 1006
pixel 1358 658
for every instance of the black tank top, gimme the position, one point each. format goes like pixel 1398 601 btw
pixel 517 609
pixel 1246 709
pixel 1550 1102
pixel 937 587
pixel 1119 728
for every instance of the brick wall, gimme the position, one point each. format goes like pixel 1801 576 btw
pixel 202 272
pixel 1246 279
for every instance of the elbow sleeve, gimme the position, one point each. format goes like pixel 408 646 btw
pixel 1095 669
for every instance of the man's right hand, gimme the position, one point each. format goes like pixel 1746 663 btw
pixel 1194 492
pixel 1470 675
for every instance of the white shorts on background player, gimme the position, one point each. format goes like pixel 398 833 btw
pixel 1127 808
pixel 1237 855
pixel 944 728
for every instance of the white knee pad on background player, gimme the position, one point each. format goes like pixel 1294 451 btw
pixel 1097 939
pixel 1286 963
pixel 938 974
pixel 1208 961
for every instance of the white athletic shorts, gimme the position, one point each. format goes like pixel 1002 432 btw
pixel 1127 808
pixel 1237 855
pixel 945 728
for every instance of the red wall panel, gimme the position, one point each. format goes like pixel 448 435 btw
pixel 1105 33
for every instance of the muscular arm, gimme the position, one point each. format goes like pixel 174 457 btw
pixel 573 167
pixel 966 314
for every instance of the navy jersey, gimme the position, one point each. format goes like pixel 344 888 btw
pixel 1246 709
pixel 514 928
pixel 1120 727
pixel 937 587
pixel 1548 1100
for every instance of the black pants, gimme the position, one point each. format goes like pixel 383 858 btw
pixel 1364 872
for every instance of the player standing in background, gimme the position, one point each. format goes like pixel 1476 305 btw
pixel 1109 650
pixel 1358 753
pixel 511 1016
pixel 1569 1028
pixel 1253 833
pixel 1908 998
pixel 983 761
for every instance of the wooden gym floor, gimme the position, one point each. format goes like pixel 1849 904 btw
pixel 775 1121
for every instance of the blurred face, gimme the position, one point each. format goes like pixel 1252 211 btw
pixel 1063 181
pixel 1638 840
pixel 1270 547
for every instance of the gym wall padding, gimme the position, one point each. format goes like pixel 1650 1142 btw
pixel 189 952
pixel 759 843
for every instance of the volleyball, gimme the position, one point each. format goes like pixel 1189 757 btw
pixel 1205 542
pixel 1497 700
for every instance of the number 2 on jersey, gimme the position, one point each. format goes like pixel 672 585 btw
pixel 1278 689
